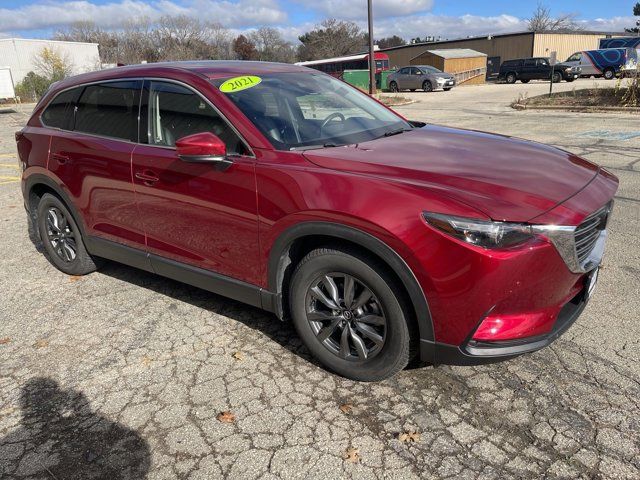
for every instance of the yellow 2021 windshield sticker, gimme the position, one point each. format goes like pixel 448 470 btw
pixel 236 84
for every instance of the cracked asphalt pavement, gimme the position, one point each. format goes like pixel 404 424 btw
pixel 122 374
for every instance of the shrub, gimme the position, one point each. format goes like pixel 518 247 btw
pixel 32 87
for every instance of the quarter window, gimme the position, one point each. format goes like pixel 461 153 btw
pixel 60 110
pixel 176 111
pixel 110 110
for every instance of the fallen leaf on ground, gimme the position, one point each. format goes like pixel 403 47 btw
pixel 226 417
pixel 41 343
pixel 346 408
pixel 74 278
pixel 238 356
pixel 409 436
pixel 4 341
pixel 146 361
pixel 351 455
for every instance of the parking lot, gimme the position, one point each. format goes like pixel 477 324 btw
pixel 130 371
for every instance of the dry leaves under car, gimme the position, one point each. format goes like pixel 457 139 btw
pixel 346 408
pixel 226 417
pixel 5 340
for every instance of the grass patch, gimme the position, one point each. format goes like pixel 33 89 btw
pixel 588 97
pixel 393 100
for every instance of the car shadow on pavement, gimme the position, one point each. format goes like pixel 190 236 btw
pixel 252 317
pixel 61 437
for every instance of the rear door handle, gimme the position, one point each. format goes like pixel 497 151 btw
pixel 60 158
pixel 148 178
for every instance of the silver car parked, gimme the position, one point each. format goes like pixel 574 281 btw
pixel 423 77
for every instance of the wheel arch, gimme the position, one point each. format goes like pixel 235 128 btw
pixel 294 243
pixel 36 185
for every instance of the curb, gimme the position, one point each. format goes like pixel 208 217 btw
pixel 575 108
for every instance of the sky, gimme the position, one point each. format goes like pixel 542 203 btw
pixel 406 18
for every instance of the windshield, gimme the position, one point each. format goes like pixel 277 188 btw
pixel 310 110
pixel 430 69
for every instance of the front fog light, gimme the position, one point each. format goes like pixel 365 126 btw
pixel 485 234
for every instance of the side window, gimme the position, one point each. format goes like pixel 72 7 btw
pixel 110 110
pixel 575 57
pixel 403 71
pixel 176 111
pixel 59 112
pixel 530 63
pixel 543 62
pixel 415 71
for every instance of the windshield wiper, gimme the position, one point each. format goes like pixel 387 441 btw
pixel 313 147
pixel 397 131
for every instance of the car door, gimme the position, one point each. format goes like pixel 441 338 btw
pixel 194 213
pixel 529 69
pixel 91 156
pixel 403 78
pixel 416 78
pixel 544 69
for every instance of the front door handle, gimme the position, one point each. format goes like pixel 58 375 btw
pixel 147 177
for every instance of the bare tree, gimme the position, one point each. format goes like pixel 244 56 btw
pixel 271 46
pixel 542 20
pixel 332 38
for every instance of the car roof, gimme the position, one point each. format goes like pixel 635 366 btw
pixel 207 68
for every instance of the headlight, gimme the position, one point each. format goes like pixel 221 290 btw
pixel 441 80
pixel 485 234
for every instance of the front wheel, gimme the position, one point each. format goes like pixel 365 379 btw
pixel 557 77
pixel 61 237
pixel 427 86
pixel 348 312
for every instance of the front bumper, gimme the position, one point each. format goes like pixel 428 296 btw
pixel 473 352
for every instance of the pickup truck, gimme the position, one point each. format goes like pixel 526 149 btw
pixel 526 69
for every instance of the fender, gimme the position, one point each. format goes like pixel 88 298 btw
pixel 278 258
pixel 42 179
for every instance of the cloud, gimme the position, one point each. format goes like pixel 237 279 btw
pixel 231 13
pixel 351 10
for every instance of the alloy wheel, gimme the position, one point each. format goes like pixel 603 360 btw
pixel 346 317
pixel 60 235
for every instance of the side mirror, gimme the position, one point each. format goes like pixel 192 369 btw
pixel 203 147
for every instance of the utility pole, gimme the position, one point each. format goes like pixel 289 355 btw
pixel 372 60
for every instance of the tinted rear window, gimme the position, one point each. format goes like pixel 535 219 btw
pixel 60 110
pixel 110 110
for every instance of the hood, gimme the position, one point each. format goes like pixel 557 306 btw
pixel 442 75
pixel 506 178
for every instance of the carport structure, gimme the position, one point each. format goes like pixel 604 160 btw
pixel 468 66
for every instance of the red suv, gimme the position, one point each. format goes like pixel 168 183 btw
pixel 279 186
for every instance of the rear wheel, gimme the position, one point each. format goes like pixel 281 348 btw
pixel 63 244
pixel 609 74
pixel 347 310
pixel 557 77
pixel 511 77
pixel 427 86
pixel 393 86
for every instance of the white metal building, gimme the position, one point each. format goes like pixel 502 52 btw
pixel 19 53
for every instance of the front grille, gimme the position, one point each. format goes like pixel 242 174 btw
pixel 587 233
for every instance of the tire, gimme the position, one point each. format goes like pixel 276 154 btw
pixel 385 342
pixel 393 86
pixel 427 86
pixel 609 74
pixel 557 77
pixel 62 239
pixel 511 78
pixel 525 81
